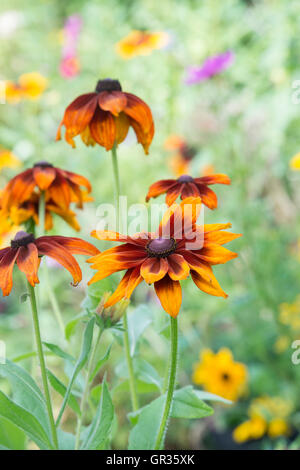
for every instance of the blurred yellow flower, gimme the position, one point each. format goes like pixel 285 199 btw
pixel 220 374
pixel 268 415
pixel 141 43
pixel 295 162
pixel 289 314
pixel 7 229
pixel 8 159
pixel 281 344
pixel 29 86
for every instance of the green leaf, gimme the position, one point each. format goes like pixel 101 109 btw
pixel 70 327
pixel 211 397
pixel 24 297
pixel 26 393
pixel 95 293
pixel 145 372
pixel 61 389
pixel 188 405
pixel 11 437
pixel 66 441
pixel 142 387
pixel 57 351
pixel 102 423
pixel 84 354
pixel 147 420
pixel 25 421
pixel 138 321
pixel 100 363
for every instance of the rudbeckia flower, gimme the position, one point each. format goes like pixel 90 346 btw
pixel 141 43
pixel 104 117
pixel 60 186
pixel 8 159
pixel 181 160
pixel 220 374
pixel 177 249
pixel 186 186
pixel 25 251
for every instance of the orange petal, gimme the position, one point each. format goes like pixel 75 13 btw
pixel 122 127
pixel 220 237
pixel 103 129
pixel 44 176
pixel 180 219
pixel 113 101
pixel 210 286
pixel 79 180
pixel 59 192
pixel 169 294
pixel 189 190
pixel 178 267
pixel 143 137
pixel 213 227
pixel 215 254
pixel 62 256
pixel 76 246
pixel 173 194
pixel 6 269
pixel 208 196
pixel 139 111
pixel 28 263
pixel 87 138
pixel 115 236
pixel 129 282
pixel 160 187
pixel 214 179
pixel 154 269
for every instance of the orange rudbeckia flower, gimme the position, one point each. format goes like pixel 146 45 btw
pixel 186 186
pixel 104 117
pixel 25 251
pixel 61 186
pixel 178 248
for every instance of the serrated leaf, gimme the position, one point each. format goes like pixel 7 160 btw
pixel 25 421
pixel 60 388
pixel 84 354
pixel 102 422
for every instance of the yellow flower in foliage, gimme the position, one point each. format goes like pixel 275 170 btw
pixel 29 86
pixel 289 314
pixel 7 229
pixel 8 159
pixel 220 374
pixel 295 162
pixel 268 415
pixel 141 43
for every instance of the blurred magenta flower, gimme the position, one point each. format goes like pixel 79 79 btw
pixel 69 65
pixel 210 67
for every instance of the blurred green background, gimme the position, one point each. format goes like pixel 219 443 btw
pixel 243 121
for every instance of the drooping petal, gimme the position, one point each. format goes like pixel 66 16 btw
pixel 28 263
pixel 178 267
pixel 3 252
pixel 44 176
pixel 189 190
pixel 18 190
pixel 62 256
pixel 103 128
pixel 143 137
pixel 79 180
pixel 213 179
pixel 139 111
pixel 160 187
pixel 154 269
pixel 112 101
pixel 122 127
pixel 173 194
pixel 6 269
pixel 78 115
pixel 169 294
pixel 76 246
pixel 208 196
pixel 129 282
pixel 210 286
pixel 59 192
pixel 87 138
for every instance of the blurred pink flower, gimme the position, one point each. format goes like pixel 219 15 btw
pixel 210 67
pixel 69 65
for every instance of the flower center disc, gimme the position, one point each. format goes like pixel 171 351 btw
pixel 43 164
pixel 108 84
pixel 161 247
pixel 185 179
pixel 22 239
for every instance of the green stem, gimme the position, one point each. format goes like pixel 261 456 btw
pixel 159 443
pixel 132 385
pixel 133 393
pixel 42 363
pixel 86 388
pixel 53 300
